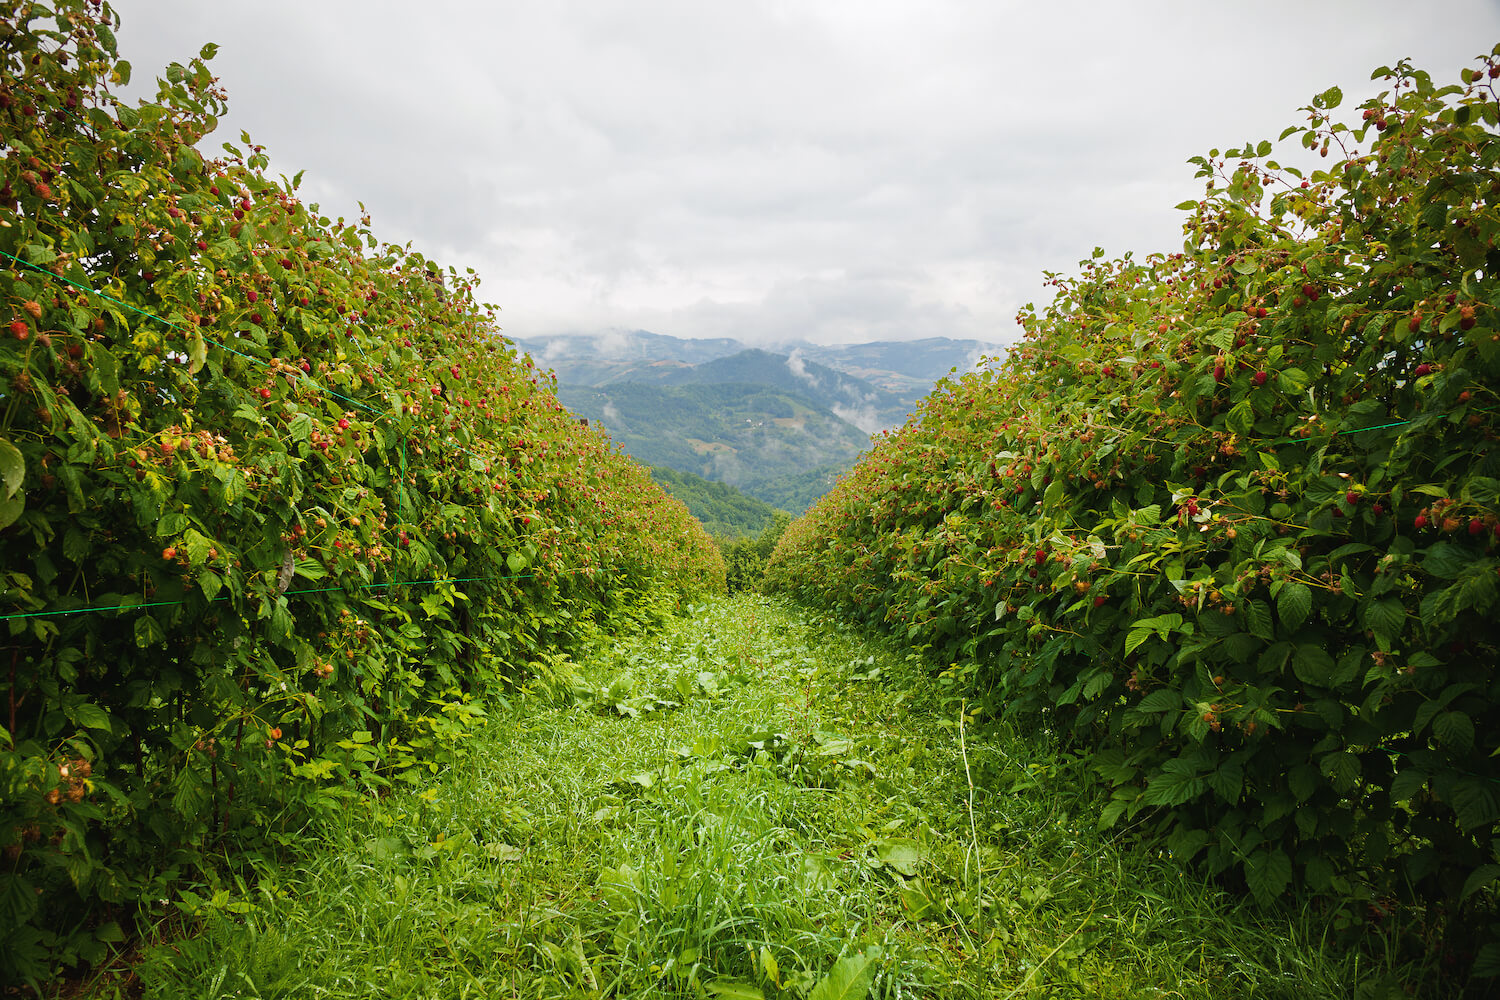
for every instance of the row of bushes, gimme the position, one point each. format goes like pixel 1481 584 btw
pixel 279 508
pixel 1228 520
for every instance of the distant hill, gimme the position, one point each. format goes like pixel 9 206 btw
pixel 905 369
pixel 850 398
pixel 723 510
pixel 779 426
pixel 744 435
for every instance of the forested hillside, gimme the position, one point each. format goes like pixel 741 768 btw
pixel 723 510
pixel 744 435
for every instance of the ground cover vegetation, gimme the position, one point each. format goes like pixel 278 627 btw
pixel 280 511
pixel 755 803
pixel 1226 520
pixel 745 558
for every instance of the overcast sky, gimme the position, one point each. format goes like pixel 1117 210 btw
pixel 834 170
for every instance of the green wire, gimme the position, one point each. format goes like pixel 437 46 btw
pixel 304 590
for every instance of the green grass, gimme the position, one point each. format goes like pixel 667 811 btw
pixel 754 803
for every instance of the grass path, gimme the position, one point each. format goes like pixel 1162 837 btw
pixel 755 803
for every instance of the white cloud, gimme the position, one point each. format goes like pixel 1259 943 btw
pixel 863 417
pixel 840 171
pixel 798 367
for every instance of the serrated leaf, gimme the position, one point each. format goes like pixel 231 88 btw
pixel 18 900
pixel 516 562
pixel 1454 730
pixel 90 716
pixel 1268 873
pixel 1385 618
pixel 1259 619
pixel 1178 782
pixel 1303 780
pixel 1407 784
pixel 1294 604
pixel 1486 961
pixel 1313 665
pixel 1478 879
pixel 1342 769
pixel 1319 873
pixel 148 631
pixel 1446 560
pixel 1163 700
pixel 1475 802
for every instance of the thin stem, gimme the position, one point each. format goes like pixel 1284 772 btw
pixel 973 829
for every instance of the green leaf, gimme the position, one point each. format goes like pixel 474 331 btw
pixel 12 468
pixel 1342 769
pixel 1163 700
pixel 1268 873
pixel 1178 782
pixel 1303 780
pixel 197 351
pixel 1406 784
pixel 516 562
pixel 1313 665
pixel 1259 618
pixel 1385 618
pixel 18 900
pixel 1331 98
pixel 1454 730
pixel 1241 417
pixel 171 523
pixel 1446 560
pixel 1294 604
pixel 899 853
pixel 148 631
pixel 300 427
pixel 1478 879
pixel 1475 802
pixel 849 979
pixel 1319 872
pixel 90 716
pixel 1486 961
pixel 733 990
pixel 11 509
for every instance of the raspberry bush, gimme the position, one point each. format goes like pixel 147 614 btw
pixel 308 508
pixel 1227 520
